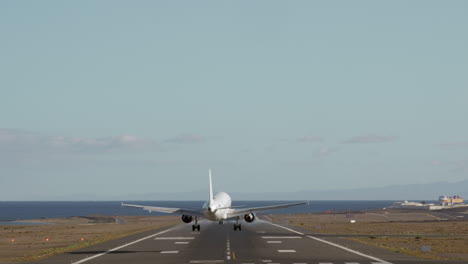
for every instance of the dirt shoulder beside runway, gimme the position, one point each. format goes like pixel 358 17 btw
pixel 20 243
pixel 419 233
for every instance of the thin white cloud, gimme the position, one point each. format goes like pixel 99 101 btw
pixel 12 139
pixel 457 166
pixel 370 139
pixel 325 151
pixel 454 144
pixel 186 139
pixel 310 139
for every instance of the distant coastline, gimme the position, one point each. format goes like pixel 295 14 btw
pixel 23 210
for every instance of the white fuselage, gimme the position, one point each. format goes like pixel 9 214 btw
pixel 217 209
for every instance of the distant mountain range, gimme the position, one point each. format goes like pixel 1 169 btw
pixel 430 191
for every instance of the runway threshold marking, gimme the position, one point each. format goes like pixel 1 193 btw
pixel 122 246
pixel 380 261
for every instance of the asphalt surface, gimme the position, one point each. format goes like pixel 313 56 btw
pixel 259 242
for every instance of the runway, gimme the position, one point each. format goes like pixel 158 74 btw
pixel 260 242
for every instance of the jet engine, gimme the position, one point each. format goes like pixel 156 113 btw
pixel 187 218
pixel 249 217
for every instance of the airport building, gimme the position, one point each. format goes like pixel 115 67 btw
pixel 445 202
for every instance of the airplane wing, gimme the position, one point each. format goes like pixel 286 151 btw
pixel 243 211
pixel 168 210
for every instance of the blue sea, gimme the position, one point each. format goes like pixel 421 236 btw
pixel 14 211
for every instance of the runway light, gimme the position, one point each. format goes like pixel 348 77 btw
pixel 12 240
pixel 82 239
pixel 47 239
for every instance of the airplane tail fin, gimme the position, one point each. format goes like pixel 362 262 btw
pixel 211 187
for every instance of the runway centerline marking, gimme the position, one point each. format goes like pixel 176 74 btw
pixel 266 260
pixel 181 242
pixel 170 252
pixel 286 251
pixel 332 244
pixel 122 246
pixel 228 249
pixel 274 242
pixel 173 238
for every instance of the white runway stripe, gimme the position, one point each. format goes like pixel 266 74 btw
pixel 274 242
pixel 170 252
pixel 122 246
pixel 286 250
pixel 281 237
pixel 181 242
pixel 206 261
pixel 380 261
pixel 173 238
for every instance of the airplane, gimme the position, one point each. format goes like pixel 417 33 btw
pixel 218 208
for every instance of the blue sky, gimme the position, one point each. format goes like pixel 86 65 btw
pixel 118 97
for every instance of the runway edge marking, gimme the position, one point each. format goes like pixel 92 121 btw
pixel 122 246
pixel 381 261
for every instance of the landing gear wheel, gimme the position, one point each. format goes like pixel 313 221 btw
pixel 237 226
pixel 195 227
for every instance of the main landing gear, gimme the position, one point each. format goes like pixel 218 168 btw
pixel 237 225
pixel 196 226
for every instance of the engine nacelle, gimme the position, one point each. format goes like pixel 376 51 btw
pixel 249 217
pixel 187 218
